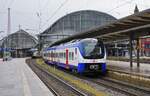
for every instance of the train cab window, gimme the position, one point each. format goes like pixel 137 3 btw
pixel 92 49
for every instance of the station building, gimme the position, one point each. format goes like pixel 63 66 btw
pixel 84 20
pixel 122 48
pixel 74 23
pixel 18 43
pixel 145 46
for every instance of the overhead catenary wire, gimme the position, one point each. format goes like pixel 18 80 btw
pixel 120 5
pixel 45 4
pixel 6 5
pixel 55 12
pixel 11 3
pixel 3 3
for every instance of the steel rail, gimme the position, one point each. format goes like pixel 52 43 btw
pixel 36 70
pixel 45 72
pixel 121 87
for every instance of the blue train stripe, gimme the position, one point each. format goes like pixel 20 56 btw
pixel 81 68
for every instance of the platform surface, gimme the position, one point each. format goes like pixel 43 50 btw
pixel 17 79
pixel 144 68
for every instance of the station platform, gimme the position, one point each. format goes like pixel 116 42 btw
pixel 144 68
pixel 17 79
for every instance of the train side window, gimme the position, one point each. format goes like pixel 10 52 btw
pixel 52 54
pixel 75 50
pixel 64 55
pixel 61 55
pixel 56 55
pixel 72 56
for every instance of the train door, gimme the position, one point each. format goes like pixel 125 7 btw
pixel 76 56
pixel 52 56
pixel 67 59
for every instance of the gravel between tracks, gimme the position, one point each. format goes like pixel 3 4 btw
pixel 61 88
pixel 108 91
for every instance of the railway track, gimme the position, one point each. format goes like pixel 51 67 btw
pixel 129 73
pixel 118 86
pixel 55 84
pixel 121 87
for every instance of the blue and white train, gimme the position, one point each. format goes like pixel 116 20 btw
pixel 81 56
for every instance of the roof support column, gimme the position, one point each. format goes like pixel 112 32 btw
pixel 138 53
pixel 130 49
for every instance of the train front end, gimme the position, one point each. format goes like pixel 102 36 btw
pixel 93 56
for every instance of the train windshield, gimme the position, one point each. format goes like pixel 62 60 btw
pixel 92 49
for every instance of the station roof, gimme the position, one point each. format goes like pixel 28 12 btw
pixel 137 24
pixel 19 40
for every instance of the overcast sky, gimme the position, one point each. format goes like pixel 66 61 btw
pixel 24 12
